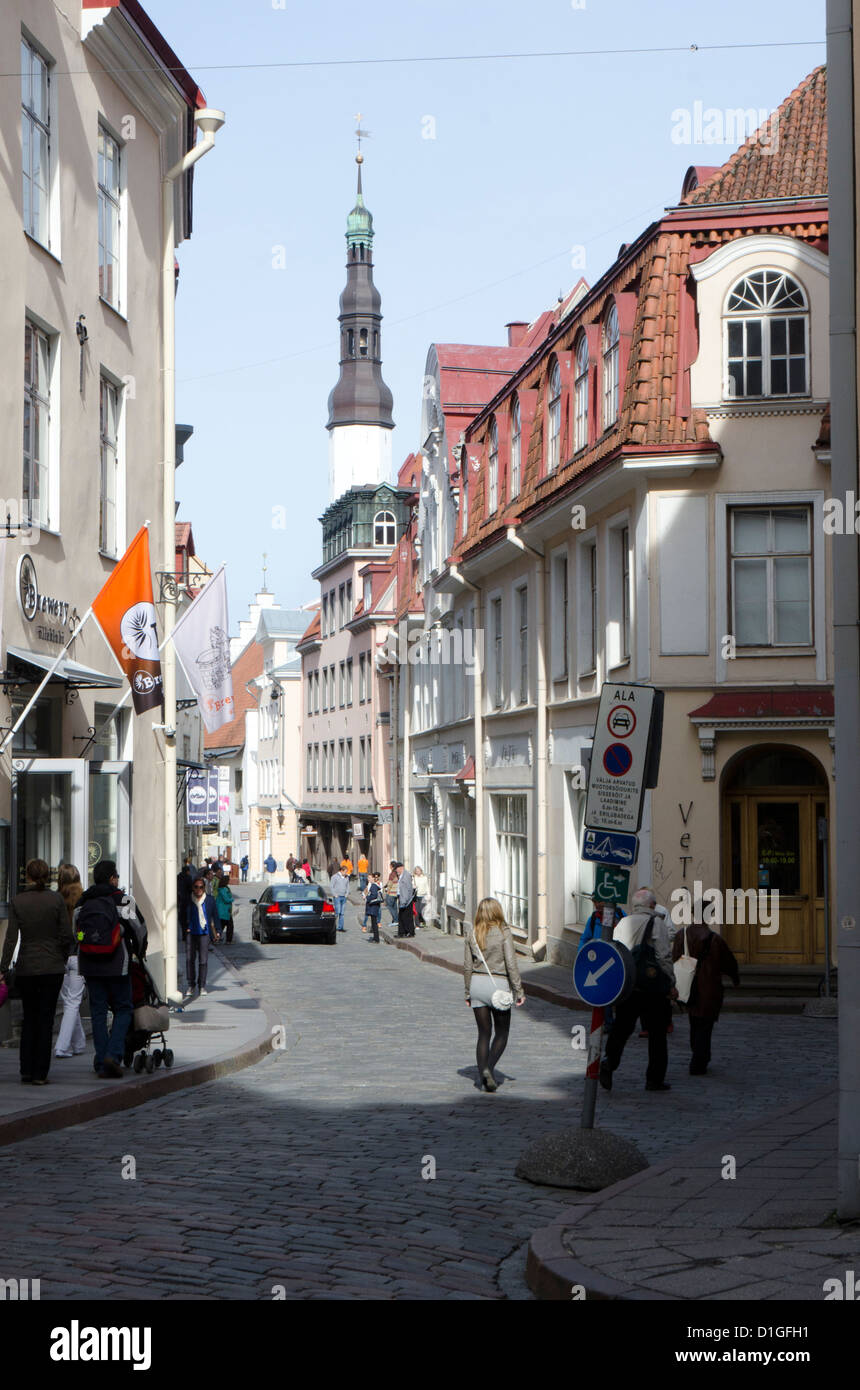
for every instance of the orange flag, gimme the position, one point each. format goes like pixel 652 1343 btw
pixel 126 615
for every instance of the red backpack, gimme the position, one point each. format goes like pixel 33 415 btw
pixel 98 928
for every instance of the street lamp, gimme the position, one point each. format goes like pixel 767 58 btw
pixel 209 122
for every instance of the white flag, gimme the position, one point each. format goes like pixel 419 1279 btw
pixel 203 646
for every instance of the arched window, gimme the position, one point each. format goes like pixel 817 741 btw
pixel 350 342
pixel 493 473
pixel 580 396
pixel 384 529
pixel 516 446
pixel 610 368
pixel 362 342
pixel 464 492
pixel 553 446
pixel 766 337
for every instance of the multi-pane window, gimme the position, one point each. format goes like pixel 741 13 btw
pixel 310 692
pixel 494 469
pixel 341 689
pixel 367 596
pixel 340 764
pixel 341 611
pixel 324 622
pixel 766 337
pixel 348 780
pixel 580 396
pixel 349 680
pixel 325 688
pixel 348 600
pixel 592 596
pixel 109 218
pixel 560 638
pixel 108 429
pixel 771 576
pixel 516 446
pixel 361 765
pixel 464 492
pixel 316 767
pixel 510 866
pixel 457 874
pixel 610 368
pixel 37 415
pixel 309 773
pixel 625 593
pixel 36 142
pixel 361 678
pixel 553 450
pixel 523 632
pixel 498 652
pixel 384 529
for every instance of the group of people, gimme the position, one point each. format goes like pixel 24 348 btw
pixel 64 942
pixel 204 903
pixel 299 870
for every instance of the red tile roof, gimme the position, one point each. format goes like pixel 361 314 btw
pixel 314 630
pixel 766 704
pixel 247 665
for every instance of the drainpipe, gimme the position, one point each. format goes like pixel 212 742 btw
pixel 393 733
pixel 539 945
pixel 406 702
pixel 478 721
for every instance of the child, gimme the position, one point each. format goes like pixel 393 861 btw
pixel 373 905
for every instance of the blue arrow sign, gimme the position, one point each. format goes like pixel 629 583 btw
pixel 600 973
pixel 610 847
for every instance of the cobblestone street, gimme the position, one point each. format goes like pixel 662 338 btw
pixel 305 1171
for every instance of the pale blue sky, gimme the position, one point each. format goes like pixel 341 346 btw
pixel 531 157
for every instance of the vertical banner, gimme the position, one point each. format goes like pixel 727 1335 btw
pixel 202 645
pixel 196 797
pixel 212 817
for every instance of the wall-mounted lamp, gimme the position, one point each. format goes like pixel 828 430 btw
pixel 280 814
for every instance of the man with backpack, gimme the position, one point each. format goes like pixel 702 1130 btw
pixel 648 938
pixel 109 930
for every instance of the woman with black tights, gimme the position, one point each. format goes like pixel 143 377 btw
pixel 492 938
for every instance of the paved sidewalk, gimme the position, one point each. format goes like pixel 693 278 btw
pixel 210 1037
pixel 687 1229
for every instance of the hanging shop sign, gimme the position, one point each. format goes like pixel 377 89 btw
pixel 53 616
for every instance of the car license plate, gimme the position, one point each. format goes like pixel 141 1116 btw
pixel 300 907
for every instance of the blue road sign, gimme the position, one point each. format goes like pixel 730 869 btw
pixel 618 759
pixel 610 847
pixel 601 973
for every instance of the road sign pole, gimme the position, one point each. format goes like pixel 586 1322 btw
pixel 595 1047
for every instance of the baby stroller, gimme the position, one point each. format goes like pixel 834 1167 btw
pixel 150 1023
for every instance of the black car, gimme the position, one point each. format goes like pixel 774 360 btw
pixel 289 910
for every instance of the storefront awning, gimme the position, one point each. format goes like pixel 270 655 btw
pixel 69 672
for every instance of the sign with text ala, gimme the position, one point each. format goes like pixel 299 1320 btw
pixel 625 755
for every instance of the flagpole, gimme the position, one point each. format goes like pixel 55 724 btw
pixel 10 733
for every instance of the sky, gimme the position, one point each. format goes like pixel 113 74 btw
pixel 494 183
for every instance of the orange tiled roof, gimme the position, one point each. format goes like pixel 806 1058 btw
pixel 247 665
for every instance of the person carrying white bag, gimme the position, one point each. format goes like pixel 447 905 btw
pixel 701 959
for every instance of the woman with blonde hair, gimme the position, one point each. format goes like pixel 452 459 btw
pixel 492 984
pixel 71 1039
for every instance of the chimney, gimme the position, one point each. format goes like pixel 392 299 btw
pixel 516 333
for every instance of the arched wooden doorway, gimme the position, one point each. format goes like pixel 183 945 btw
pixel 773 798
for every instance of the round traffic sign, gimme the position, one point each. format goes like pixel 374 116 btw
pixel 617 759
pixel 621 721
pixel 602 973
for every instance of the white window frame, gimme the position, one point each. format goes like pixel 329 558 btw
pixel 510 858
pixel 764 317
pixel 348 682
pixel 47 234
pixel 464 492
pixel 496 609
pixel 516 446
pixel 587 631
pixel 553 417
pixel 493 469
pixel 348 778
pixel 48 518
pixel 610 336
pixel 768 557
pixel 617 582
pixel 560 610
pixel 117 202
pixel 108 381
pixel 580 397
pixel 456 876
pixel 521 641
pixel 385 529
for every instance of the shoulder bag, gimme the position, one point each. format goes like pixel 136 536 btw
pixel 685 972
pixel 501 998
pixel 650 978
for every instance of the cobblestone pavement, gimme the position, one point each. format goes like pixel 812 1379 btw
pixel 307 1171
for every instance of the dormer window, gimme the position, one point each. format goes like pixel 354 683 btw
pixel 384 529
pixel 610 368
pixel 516 446
pixel 494 469
pixel 553 450
pixel 766 337
pixel 580 396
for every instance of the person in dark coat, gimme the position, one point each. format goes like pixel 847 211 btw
pixel 108 978
pixel 715 960
pixel 39 917
pixel 184 880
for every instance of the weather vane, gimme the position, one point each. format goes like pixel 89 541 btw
pixel 360 135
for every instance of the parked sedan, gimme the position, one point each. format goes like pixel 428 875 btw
pixel 289 910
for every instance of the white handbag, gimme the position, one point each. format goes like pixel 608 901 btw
pixel 500 998
pixel 685 972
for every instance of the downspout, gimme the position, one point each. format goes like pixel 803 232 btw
pixel 539 945
pixel 393 731
pixel 406 702
pixel 478 722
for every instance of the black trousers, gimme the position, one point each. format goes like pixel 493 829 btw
pixel 656 1015
pixel 700 1044
pixel 39 995
pixel 373 919
pixel 405 921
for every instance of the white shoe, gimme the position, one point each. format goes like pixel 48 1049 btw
pixel 204 991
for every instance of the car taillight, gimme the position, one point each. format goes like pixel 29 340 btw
pixel 328 909
pixel 274 907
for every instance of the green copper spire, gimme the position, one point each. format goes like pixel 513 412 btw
pixel 359 224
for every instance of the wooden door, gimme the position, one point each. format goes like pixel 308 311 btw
pixel 770 846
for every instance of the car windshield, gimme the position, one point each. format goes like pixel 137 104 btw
pixel 295 892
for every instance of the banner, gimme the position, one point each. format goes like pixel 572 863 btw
pixel 201 797
pixel 126 615
pixel 202 645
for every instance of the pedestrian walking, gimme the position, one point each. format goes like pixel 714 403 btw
pixel 224 905
pixel 490 964
pixel 340 889
pixel 39 927
pixel 646 936
pixel 363 868
pixel 109 931
pixel 306 865
pixel 243 865
pixel 405 902
pixel 270 864
pixel 373 905
pixel 422 893
pixel 203 926
pixel 391 891
pixel 714 960
pixel 184 880
pixel 71 1040
pixel 291 864
pixel 346 866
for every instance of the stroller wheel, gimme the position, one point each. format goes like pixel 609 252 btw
pixel 157 1056
pixel 149 1062
pixel 168 1057
pixel 137 1064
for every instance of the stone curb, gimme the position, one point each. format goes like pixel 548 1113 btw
pixel 551 1270
pixel 137 1090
